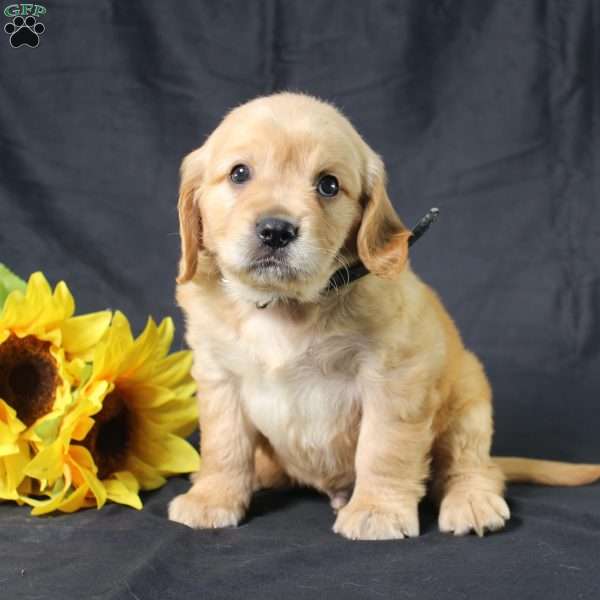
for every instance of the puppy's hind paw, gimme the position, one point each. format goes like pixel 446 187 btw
pixel 466 511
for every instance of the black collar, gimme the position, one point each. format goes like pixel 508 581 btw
pixel 345 276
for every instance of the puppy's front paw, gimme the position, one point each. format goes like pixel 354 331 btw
pixel 373 521
pixel 199 511
pixel 464 511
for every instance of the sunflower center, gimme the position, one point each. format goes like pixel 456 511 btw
pixel 108 440
pixel 28 377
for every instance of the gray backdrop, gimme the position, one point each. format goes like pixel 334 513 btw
pixel 487 109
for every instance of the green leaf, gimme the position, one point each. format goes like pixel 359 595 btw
pixel 9 282
pixel 47 428
pixel 86 373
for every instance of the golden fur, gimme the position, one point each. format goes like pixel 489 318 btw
pixel 364 392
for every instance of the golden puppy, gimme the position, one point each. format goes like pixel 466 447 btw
pixel 361 392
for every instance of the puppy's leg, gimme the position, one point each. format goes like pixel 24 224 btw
pixel 466 481
pixel 391 467
pixel 268 472
pixel 222 488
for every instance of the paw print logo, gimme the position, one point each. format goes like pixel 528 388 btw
pixel 24 31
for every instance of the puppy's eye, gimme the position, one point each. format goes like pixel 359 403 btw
pixel 240 174
pixel 328 186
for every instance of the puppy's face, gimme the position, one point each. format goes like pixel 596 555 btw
pixel 282 194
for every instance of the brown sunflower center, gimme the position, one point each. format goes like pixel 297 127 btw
pixel 28 377
pixel 108 440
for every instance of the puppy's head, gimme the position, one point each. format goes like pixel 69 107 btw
pixel 282 194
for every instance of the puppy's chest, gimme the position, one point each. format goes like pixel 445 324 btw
pixel 303 393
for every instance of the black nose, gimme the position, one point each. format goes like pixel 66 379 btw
pixel 275 233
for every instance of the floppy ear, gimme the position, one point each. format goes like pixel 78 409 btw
pixel 190 223
pixel 382 240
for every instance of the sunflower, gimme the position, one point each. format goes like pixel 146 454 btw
pixel 14 453
pixel 39 337
pixel 124 432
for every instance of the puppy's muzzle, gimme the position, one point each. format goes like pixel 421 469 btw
pixel 275 232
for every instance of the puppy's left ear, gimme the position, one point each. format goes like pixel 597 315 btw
pixel 382 240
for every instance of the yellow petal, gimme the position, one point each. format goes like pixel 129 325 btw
pixel 8 415
pixel 171 370
pixel 169 454
pixel 148 477
pixel 82 428
pixel 108 356
pixel 7 490
pixel 41 310
pixel 38 290
pixel 64 299
pixel 82 333
pixel 176 417
pixel 79 370
pixel 74 501
pixel 143 396
pixel 42 507
pixel 12 471
pixel 122 487
pixel 93 393
pixel 83 461
pixel 48 463
pixel 165 332
pixel 8 445
pixel 10 311
pixel 10 428
pixel 77 421
pixel 184 391
pixel 143 349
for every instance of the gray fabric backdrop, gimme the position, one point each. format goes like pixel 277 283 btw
pixel 487 109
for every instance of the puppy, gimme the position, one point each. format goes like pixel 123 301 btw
pixel 363 392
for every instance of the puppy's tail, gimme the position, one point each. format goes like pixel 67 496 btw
pixel 547 472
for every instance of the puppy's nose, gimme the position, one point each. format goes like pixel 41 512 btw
pixel 276 233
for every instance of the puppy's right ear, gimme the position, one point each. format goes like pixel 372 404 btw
pixel 190 222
